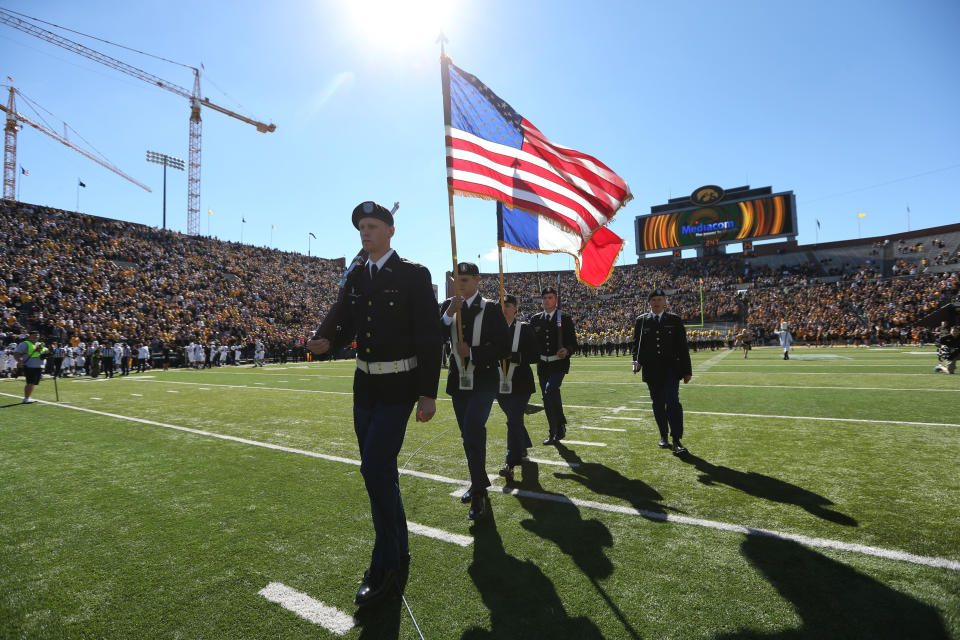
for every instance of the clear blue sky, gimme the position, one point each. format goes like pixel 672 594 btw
pixel 825 98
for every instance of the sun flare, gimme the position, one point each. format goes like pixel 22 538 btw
pixel 399 24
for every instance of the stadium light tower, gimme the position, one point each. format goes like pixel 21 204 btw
pixel 166 161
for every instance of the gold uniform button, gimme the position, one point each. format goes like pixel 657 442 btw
pixel 369 318
pixel 368 334
pixel 367 349
pixel 369 303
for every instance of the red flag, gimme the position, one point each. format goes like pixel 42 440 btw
pixel 598 257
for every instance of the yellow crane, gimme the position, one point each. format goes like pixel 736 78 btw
pixel 13 120
pixel 196 102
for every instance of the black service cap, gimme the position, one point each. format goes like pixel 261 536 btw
pixel 657 292
pixel 468 269
pixel 547 290
pixel 510 299
pixel 370 209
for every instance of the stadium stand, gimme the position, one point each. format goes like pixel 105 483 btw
pixel 80 278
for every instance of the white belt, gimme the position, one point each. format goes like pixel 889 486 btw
pixel 550 358
pixel 378 368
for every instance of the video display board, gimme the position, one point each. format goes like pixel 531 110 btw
pixel 772 216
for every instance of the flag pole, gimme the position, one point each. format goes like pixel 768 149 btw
pixel 500 259
pixel 445 82
pixel 701 302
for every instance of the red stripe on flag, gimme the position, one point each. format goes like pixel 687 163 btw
pixel 517 162
pixel 467 188
pixel 511 183
pixel 580 164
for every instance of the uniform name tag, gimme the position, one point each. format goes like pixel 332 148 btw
pixel 506 386
pixel 466 382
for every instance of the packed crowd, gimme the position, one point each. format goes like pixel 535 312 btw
pixel 860 306
pixel 81 279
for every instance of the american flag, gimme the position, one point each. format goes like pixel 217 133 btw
pixel 495 153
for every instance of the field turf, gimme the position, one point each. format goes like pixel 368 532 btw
pixel 820 499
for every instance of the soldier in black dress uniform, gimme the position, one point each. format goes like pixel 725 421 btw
pixel 516 384
pixel 557 339
pixel 472 381
pixel 391 310
pixel 660 350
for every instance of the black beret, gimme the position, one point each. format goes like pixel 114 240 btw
pixel 657 292
pixel 371 209
pixel 510 299
pixel 468 269
pixel 547 290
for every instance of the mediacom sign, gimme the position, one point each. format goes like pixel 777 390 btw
pixel 752 219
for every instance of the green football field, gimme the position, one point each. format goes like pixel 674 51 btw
pixel 820 499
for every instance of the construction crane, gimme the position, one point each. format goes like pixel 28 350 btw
pixel 193 158
pixel 14 118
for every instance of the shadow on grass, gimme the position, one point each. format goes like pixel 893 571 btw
pixel 768 488
pixel 382 621
pixel 13 404
pixel 523 602
pixel 603 480
pixel 560 522
pixel 833 600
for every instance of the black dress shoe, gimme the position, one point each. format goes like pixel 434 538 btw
pixel 678 449
pixel 465 498
pixel 478 506
pixel 506 471
pixel 550 440
pixel 376 584
pixel 663 444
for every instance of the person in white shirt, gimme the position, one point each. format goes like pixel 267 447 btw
pixel 786 339
pixel 143 358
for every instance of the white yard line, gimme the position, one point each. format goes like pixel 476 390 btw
pixel 588 444
pixel 707 364
pixel 601 429
pixel 823 543
pixel 764 415
pixel 243 386
pixel 809 373
pixel 787 386
pixel 439 534
pixel 555 463
pixel 880 552
pixel 330 618
pixel 581 406
pixel 638 384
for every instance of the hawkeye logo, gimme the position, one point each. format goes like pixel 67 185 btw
pixel 707 195
pixel 709 228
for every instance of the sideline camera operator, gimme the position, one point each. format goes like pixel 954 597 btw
pixel 948 350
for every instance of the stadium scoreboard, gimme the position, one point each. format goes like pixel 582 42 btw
pixel 712 216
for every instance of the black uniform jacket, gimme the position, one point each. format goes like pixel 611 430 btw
pixel 485 356
pixel 661 347
pixel 527 353
pixel 393 317
pixel 548 339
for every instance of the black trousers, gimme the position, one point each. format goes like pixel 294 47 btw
pixel 667 410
